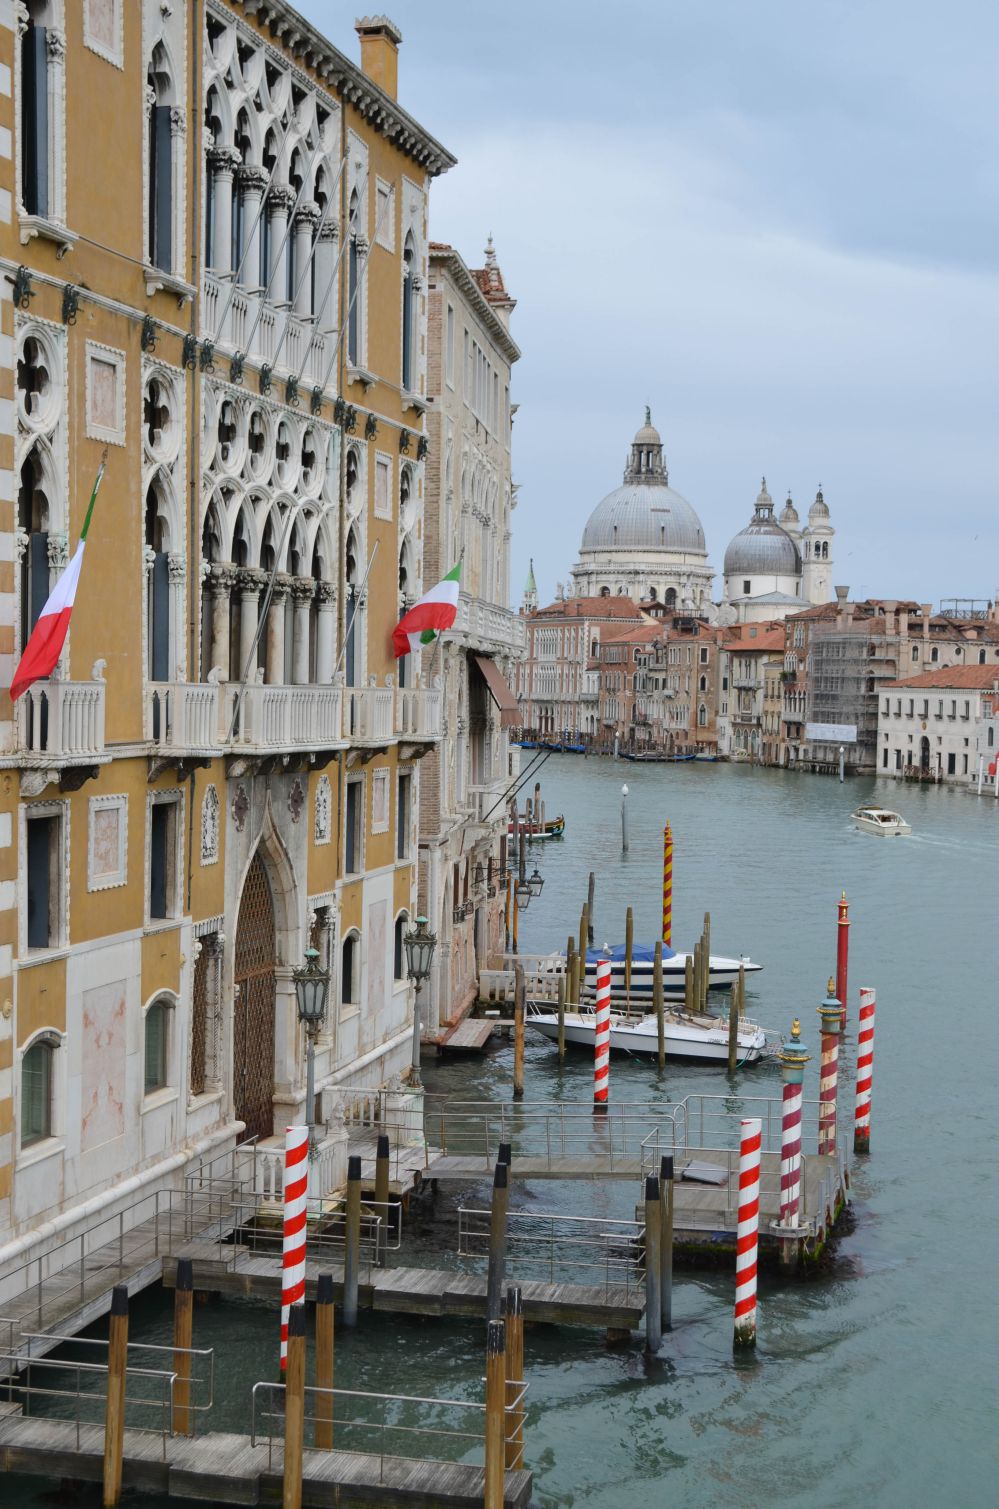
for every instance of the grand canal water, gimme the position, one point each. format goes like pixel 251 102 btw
pixel 874 1384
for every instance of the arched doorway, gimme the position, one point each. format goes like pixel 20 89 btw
pixel 253 1008
pixel 924 755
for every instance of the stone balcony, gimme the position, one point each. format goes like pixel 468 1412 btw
pixel 487 626
pixel 262 331
pixel 60 733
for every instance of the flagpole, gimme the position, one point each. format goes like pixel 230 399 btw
pixel 360 589
pixel 93 496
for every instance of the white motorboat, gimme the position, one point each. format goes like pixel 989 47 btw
pixel 881 820
pixel 722 972
pixel 686 1035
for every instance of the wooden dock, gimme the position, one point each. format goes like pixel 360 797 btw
pixel 226 1468
pixel 427 1291
pixel 470 1036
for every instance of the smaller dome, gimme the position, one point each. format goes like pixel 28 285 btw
pixel 788 514
pixel 763 548
pixel 819 510
pixel 648 434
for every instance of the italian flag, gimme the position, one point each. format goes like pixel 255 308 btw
pixel 41 653
pixel 426 619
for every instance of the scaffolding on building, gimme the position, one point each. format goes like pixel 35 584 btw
pixel 849 662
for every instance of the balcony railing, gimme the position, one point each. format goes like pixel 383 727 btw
pixel 183 715
pixel 62 720
pixel 419 714
pixel 368 715
pixel 276 328
pixel 489 623
pixel 284 717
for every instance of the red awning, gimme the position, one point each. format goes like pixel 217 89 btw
pixel 499 691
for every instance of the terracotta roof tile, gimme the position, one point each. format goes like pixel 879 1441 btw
pixel 968 677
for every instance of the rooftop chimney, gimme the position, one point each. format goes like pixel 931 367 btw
pixel 380 40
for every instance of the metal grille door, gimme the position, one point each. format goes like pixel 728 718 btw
pixel 253 1013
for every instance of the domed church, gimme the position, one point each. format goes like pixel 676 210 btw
pixel 644 540
pixel 774 567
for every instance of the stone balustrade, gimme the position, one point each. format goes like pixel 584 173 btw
pixel 419 714
pixel 281 339
pixel 62 720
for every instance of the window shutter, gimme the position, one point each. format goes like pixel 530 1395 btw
pixel 160 829
pixel 160 626
pixel 161 189
pixel 39 858
pixel 35 121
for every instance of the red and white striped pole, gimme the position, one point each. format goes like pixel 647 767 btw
pixel 831 1015
pixel 842 954
pixel 296 1180
pixel 793 1057
pixel 865 1072
pixel 601 1037
pixel 748 1236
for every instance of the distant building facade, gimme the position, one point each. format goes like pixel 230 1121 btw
pixel 940 725
pixel 468 507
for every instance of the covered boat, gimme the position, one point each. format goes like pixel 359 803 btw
pixel 689 1035
pixel 723 972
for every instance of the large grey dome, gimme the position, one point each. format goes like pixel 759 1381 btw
pixel 645 513
pixel 642 516
pixel 763 548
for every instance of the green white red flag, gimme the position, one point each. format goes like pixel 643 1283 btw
pixel 436 611
pixel 41 653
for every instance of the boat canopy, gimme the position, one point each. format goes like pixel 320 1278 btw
pixel 641 953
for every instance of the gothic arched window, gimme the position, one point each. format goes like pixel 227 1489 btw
pixel 409 314
pixel 160 163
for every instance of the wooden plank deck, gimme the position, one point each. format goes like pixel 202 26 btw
pixel 432 1291
pixel 464 1166
pixel 470 1035
pixel 225 1468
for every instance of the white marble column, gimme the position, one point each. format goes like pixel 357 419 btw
pixel 222 579
pixel 326 633
pixel 222 165
pixel 279 202
pixel 252 182
pixel 306 218
pixel 250 583
pixel 275 631
pixel 325 257
pixel 302 592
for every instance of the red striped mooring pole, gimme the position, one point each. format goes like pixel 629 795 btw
pixel 296 1180
pixel 842 953
pixel 747 1238
pixel 793 1057
pixel 667 885
pixel 865 1072
pixel 601 1037
pixel 831 1015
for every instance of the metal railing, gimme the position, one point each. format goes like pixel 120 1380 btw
pixel 545 1129
pixel 560 1249
pixel 382 1417
pixel 84 1401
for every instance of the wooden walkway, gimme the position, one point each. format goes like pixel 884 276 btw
pixel 225 1468
pixel 428 1291
pixel 470 1035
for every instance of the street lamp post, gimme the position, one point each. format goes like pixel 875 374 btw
pixel 419 945
pixel 312 985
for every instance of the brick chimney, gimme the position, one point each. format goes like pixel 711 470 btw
pixel 380 40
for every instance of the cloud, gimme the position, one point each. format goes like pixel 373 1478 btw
pixel 775 224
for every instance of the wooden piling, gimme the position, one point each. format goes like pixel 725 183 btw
pixel 707 938
pixel 537 805
pixel 688 984
pixel 657 1002
pixel 183 1330
pixel 653 1258
pixel 514 1454
pixel 666 1241
pixel 294 1408
pixel 734 1012
pixel 497 1242
pixel 323 1437
pixel 561 1018
pixel 519 1010
pixel 696 994
pixel 629 946
pixel 495 1474
pixel 571 973
pixel 382 1169
pixel 590 897
pixel 114 1417
pixel 352 1245
pixel 584 925
pixel 504 1153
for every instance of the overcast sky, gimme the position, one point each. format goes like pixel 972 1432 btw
pixel 775 223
